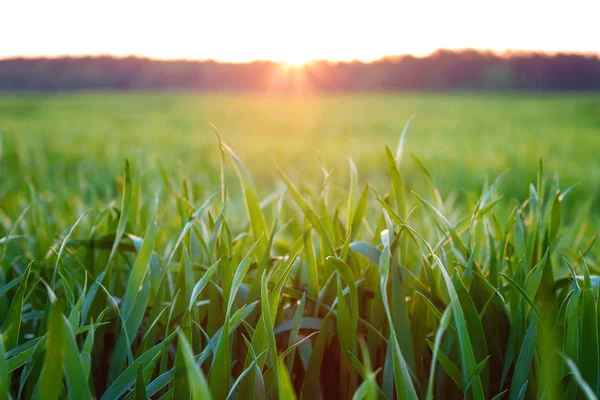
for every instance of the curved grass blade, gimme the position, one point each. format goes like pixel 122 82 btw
pixel 315 221
pixel 124 217
pixel 4 386
pixel 400 149
pixel 448 366
pixel 286 390
pixel 202 283
pixel 12 324
pixel 128 376
pixel 49 385
pixel 140 268
pixel 436 347
pixel 524 361
pixel 196 379
pixel 583 385
pixel 294 330
pixel 74 372
pixel 522 293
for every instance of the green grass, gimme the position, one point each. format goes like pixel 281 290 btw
pixel 196 269
pixel 462 138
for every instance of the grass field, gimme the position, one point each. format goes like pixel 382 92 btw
pixel 197 269
pixel 462 138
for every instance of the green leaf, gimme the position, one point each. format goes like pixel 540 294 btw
pixel 12 324
pixel 404 385
pixel 400 149
pixel 181 389
pixel 475 329
pixel 366 250
pixel 63 245
pixel 129 332
pixel 522 293
pixel 400 315
pixel 49 385
pixel 242 376
pixel 294 330
pixel 311 389
pixel 589 359
pixel 124 217
pixel 500 395
pixel 4 384
pixel 220 369
pixel 222 165
pixel 346 328
pixel 240 272
pixel 267 321
pixel 140 269
pixel 127 378
pixel 310 262
pixel 286 390
pixel 188 225
pixel 201 284
pixel 86 354
pixel 468 362
pixel 261 336
pixel 315 221
pixel 74 373
pixel 11 232
pixel 196 379
pixel 448 366
pixel 456 240
pixel 402 378
pixel 253 211
pixel 435 351
pixel 397 185
pixel 555 218
pixel 352 192
pixel 359 213
pixel 292 347
pixel 572 338
pixel 583 385
pixel 524 361
pixel 140 385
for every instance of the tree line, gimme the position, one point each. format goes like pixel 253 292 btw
pixel 440 71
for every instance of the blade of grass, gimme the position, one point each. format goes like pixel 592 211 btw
pixel 198 385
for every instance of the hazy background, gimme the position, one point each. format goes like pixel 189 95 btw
pixel 441 71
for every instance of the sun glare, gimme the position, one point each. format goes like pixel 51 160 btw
pixel 292 76
pixel 294 62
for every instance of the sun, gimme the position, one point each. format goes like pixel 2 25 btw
pixel 292 76
pixel 294 61
pixel 292 66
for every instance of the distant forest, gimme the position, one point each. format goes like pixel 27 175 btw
pixel 440 71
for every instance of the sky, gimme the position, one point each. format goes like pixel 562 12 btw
pixel 293 31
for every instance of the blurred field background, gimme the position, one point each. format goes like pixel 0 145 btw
pixel 77 142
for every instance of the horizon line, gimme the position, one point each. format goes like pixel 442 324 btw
pixel 498 53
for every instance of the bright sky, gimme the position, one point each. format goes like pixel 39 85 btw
pixel 293 31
